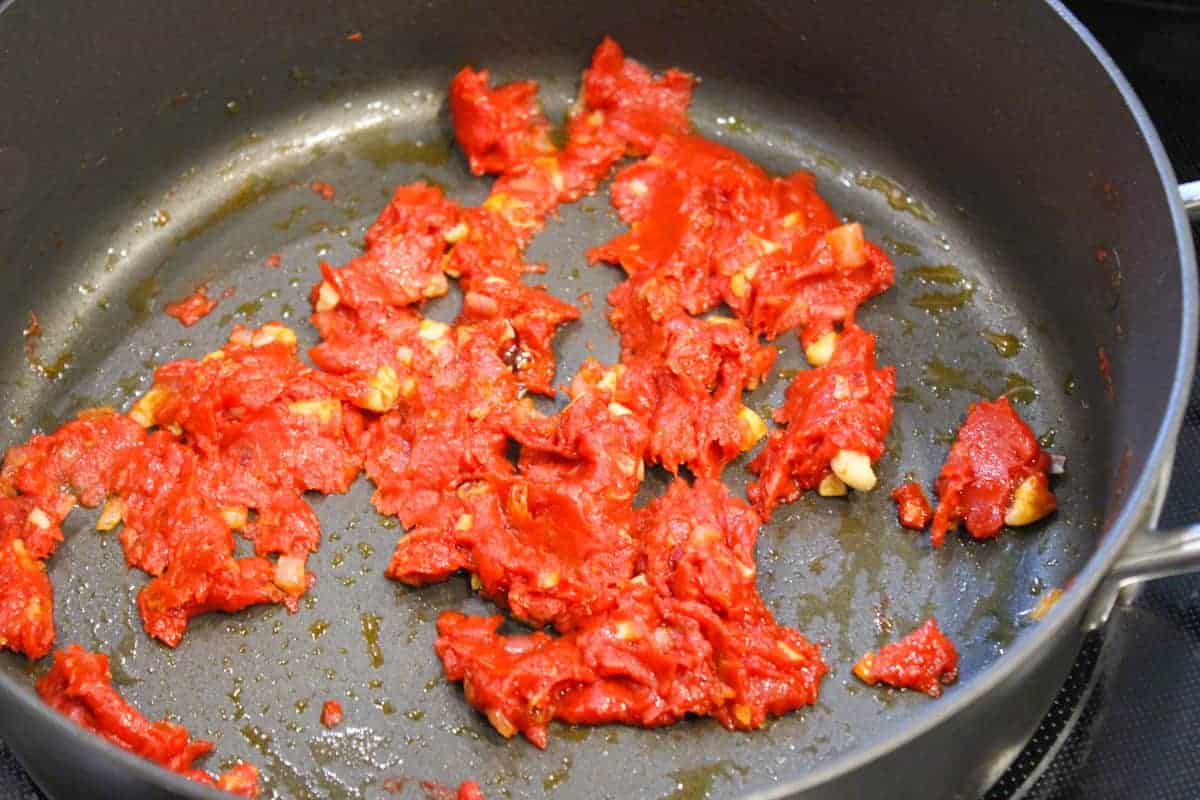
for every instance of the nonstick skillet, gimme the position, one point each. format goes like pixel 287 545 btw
pixel 147 147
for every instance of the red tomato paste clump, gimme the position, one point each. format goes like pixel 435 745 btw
pixel 42 481
pixel 912 506
pixel 79 686
pixel 193 308
pixel 625 109
pixel 324 189
pixel 688 635
pixel 331 714
pixel 28 535
pixel 844 406
pixel 712 226
pixel 249 428
pixel 995 475
pixel 469 790
pixel 924 660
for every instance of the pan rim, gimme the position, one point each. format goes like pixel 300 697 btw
pixel 1066 612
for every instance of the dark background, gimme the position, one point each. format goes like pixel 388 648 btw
pixel 1129 726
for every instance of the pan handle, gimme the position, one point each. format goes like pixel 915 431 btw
pixel 1191 199
pixel 1149 555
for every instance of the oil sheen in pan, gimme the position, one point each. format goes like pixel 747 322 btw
pixel 840 570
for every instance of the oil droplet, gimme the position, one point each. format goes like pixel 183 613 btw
pixel 901 247
pixel 819 157
pixel 124 650
pixel 551 781
pixel 252 189
pixel 1069 385
pixel 947 274
pixel 937 302
pixel 576 733
pixel 160 218
pixel 943 378
pixel 1046 440
pixel 386 707
pixel 1019 388
pixel 293 216
pixel 1006 344
pixel 258 739
pixel 895 194
pixel 365 550
pixel 370 632
pixel 697 783
pixel 318 628
pixel 415 714
pixel 141 297
pixel 377 146
pixel 301 705
pixel 465 731
pixel 235 696
pixel 53 370
pixel 735 124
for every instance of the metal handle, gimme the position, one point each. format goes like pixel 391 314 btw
pixel 1150 555
pixel 1191 199
pixel 1156 554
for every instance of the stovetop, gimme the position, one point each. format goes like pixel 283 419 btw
pixel 1125 722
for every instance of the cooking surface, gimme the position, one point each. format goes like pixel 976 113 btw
pixel 445 708
pixel 840 571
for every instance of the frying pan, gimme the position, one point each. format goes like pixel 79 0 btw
pixel 148 147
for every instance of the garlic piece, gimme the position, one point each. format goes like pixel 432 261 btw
pixel 382 390
pixel 832 486
pixel 323 409
pixel 820 352
pixel 273 332
pixel 753 427
pixel 111 514
pixel 854 469
pixel 147 406
pixel 1031 501
pixel 327 297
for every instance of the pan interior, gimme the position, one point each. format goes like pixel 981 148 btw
pixel 961 324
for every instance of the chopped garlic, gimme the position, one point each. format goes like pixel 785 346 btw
pixel 753 427
pixel 327 297
pixel 1031 501
pixel 820 352
pixel 832 486
pixel 854 468
pixel 147 406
